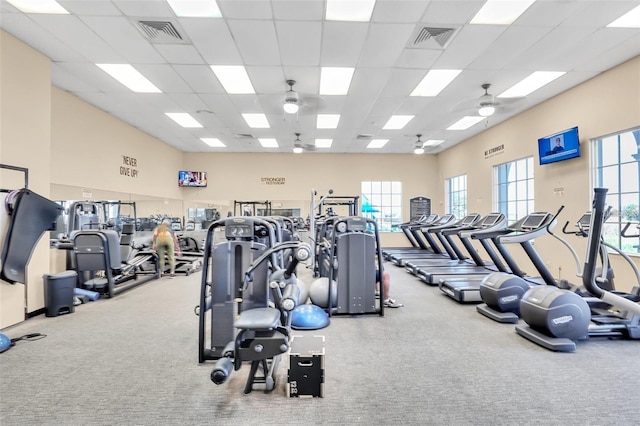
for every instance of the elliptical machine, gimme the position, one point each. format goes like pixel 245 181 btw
pixel 557 318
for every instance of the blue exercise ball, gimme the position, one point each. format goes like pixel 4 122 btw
pixel 309 317
pixel 5 343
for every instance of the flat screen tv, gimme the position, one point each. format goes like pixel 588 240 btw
pixel 192 179
pixel 559 146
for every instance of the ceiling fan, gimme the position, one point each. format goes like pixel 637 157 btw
pixel 299 147
pixel 298 103
pixel 487 105
pixel 418 146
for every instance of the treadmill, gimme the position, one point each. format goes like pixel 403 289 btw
pixel 523 232
pixel 443 233
pixel 412 231
pixel 399 258
pixel 432 275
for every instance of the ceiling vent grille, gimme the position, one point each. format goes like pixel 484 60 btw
pixel 364 136
pixel 431 37
pixel 161 32
pixel 243 136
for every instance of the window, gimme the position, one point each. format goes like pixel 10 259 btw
pixel 513 188
pixel 456 196
pixel 382 202
pixel 616 166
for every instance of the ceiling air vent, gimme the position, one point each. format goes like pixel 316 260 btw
pixel 364 136
pixel 431 37
pixel 243 136
pixel 161 32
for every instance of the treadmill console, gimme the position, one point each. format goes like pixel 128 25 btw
pixel 534 221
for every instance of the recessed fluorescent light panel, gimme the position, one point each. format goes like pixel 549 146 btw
pixel 377 143
pixel 213 142
pixel 256 121
pixel 433 142
pixel 335 80
pixel 324 143
pixel 631 19
pixel 130 77
pixel 531 83
pixel 234 79
pixel 465 122
pixel 268 143
pixel 349 10
pixel 327 121
pixel 501 12
pixel 195 8
pixel 183 119
pixel 39 6
pixel 434 82
pixel 397 122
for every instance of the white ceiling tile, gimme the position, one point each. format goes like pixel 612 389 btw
pixel 470 43
pixel 245 9
pixel 598 14
pixel 189 102
pixel 25 29
pixel 268 80
pixel 342 43
pixel 449 12
pixel 384 44
pixel 298 10
pixel 256 41
pixel 417 58
pixel 213 40
pixel 549 14
pixel 540 56
pixel 144 8
pixel 200 78
pixel 76 34
pixel 613 56
pixel 164 77
pixel 508 46
pixel 299 42
pixel 121 34
pixel 179 54
pixel 91 7
pixel 398 11
pixel 286 39
pixel 590 48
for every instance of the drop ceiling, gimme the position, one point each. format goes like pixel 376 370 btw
pixel 278 40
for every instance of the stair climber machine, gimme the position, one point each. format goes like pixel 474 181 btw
pixel 501 292
pixel 558 318
pixel 246 300
pixel 354 256
pixel 412 231
pixel 432 275
pixel 444 233
pixel 399 258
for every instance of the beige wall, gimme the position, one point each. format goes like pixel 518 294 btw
pixel 25 129
pixel 605 104
pixel 239 177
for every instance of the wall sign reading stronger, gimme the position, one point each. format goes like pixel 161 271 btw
pixel 129 167
pixel 272 180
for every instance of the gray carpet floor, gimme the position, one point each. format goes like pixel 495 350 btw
pixel 133 360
